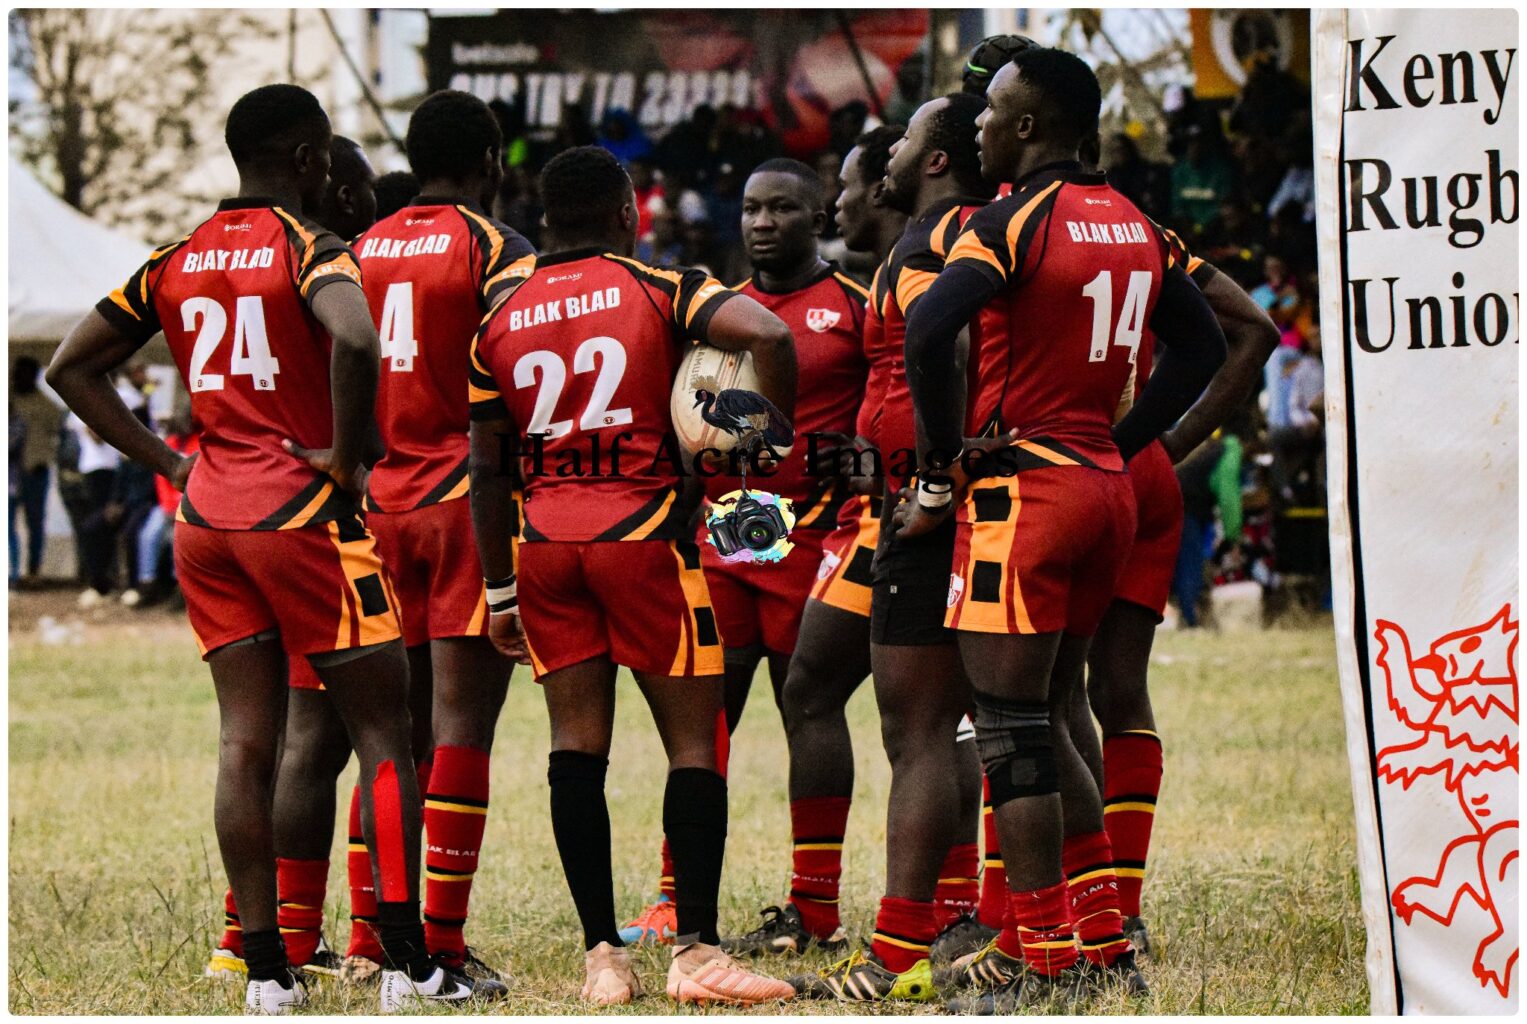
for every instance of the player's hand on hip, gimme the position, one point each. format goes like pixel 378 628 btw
pixel 912 519
pixel 352 478
pixel 507 636
pixel 181 474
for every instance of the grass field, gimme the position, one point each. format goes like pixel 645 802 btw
pixel 116 886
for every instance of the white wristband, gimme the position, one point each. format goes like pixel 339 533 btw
pixel 502 596
pixel 930 498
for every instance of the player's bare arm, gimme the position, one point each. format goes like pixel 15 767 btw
pixel 492 498
pixel 1194 348
pixel 1250 337
pixel 341 309
pixel 80 373
pixel 742 324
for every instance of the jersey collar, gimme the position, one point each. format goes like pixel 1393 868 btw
pixel 821 275
pixel 1060 170
pixel 445 201
pixel 571 255
pixel 246 203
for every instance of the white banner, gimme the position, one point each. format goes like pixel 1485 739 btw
pixel 1419 195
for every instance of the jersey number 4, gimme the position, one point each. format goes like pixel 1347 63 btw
pixel 399 346
pixel 552 372
pixel 251 347
pixel 1131 317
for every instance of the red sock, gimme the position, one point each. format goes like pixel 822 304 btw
pixel 816 829
pixel 233 934
pixel 364 940
pixel 1131 782
pixel 992 910
pixel 665 881
pixel 300 888
pixel 455 812
pixel 1038 931
pixel 958 888
pixel 903 931
pixel 1092 891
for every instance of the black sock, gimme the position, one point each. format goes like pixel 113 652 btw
pixel 580 820
pixel 694 819
pixel 265 956
pixel 402 934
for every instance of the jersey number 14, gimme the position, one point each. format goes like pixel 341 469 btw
pixel 1131 316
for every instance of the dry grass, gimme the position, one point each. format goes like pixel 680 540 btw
pixel 116 887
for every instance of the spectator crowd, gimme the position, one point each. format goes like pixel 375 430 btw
pixel 1238 186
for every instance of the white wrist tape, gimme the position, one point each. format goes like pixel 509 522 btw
pixel 503 596
pixel 930 495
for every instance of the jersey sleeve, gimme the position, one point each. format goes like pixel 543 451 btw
pixel 485 398
pixel 997 238
pixel 695 301
pixel 130 309
pixel 1179 255
pixel 914 276
pixel 505 257
pixel 319 258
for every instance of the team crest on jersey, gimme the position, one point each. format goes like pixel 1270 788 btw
pixel 821 320
pixel 829 564
pixel 956 588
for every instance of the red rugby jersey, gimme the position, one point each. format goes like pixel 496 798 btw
pixel 910 270
pixel 234 300
pixel 432 270
pixel 877 355
pixel 1201 272
pixel 583 355
pixel 827 319
pixel 1078 269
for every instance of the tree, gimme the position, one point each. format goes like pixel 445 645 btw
pixel 120 104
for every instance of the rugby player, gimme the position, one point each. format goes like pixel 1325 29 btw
pixel 315 748
pixel 432 271
pixel 831 654
pixel 575 370
pixel 1080 274
pixel 265 317
pixel 1128 764
pixel 758 607
pixel 934 175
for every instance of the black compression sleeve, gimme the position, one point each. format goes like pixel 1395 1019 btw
pixel 933 366
pixel 1191 349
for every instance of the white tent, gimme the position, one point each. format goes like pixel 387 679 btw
pixel 62 262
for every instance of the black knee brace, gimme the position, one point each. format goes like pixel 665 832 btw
pixel 1013 738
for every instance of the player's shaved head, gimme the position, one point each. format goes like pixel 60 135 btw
pixel 588 199
pixel 349 202
pixel 939 143
pixel 453 135
pixel 809 181
pixel 782 216
pixel 268 123
pixel 1065 92
pixel 860 199
pixel 1042 107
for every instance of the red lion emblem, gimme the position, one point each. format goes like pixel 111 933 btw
pixel 1460 700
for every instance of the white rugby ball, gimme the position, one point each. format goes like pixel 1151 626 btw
pixel 715 370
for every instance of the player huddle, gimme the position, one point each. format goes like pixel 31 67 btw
pixel 991 537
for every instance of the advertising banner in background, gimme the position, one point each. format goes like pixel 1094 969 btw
pixel 1227 41
pixel 1419 196
pixel 793 68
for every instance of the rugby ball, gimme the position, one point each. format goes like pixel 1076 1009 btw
pixel 715 370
